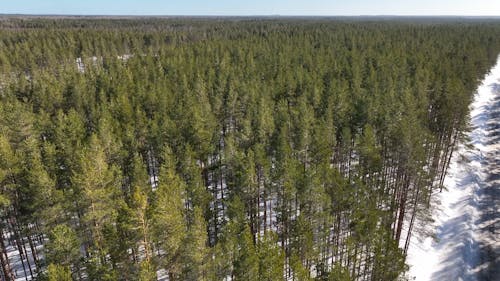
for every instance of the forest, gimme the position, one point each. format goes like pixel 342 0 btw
pixel 227 148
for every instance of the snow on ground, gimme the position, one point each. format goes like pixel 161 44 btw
pixel 466 244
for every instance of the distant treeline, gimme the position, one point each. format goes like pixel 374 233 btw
pixel 227 149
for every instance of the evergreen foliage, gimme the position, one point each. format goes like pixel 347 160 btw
pixel 235 149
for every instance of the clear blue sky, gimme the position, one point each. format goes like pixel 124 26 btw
pixel 252 7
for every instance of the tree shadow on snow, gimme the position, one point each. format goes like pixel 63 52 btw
pixel 471 241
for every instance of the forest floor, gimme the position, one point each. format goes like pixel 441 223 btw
pixel 462 242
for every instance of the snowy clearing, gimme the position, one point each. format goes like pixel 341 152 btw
pixel 466 245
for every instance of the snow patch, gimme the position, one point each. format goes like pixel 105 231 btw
pixel 455 252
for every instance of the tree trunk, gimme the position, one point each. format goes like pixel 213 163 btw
pixel 7 270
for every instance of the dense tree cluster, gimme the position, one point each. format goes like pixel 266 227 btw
pixel 237 149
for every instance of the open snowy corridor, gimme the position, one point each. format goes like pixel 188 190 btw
pixel 466 216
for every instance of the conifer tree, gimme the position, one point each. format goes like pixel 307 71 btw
pixel 169 225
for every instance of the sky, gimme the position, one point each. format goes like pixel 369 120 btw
pixel 253 7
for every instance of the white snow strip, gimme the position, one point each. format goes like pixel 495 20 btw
pixel 454 253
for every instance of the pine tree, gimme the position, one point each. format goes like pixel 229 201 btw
pixel 168 217
pixel 98 184
pixel 246 265
pixel 58 273
pixel 7 170
pixel 271 258
pixel 194 249
pixel 140 210
pixel 63 246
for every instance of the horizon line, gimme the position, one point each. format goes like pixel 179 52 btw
pixel 246 16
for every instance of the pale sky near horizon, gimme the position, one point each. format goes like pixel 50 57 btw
pixel 253 7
